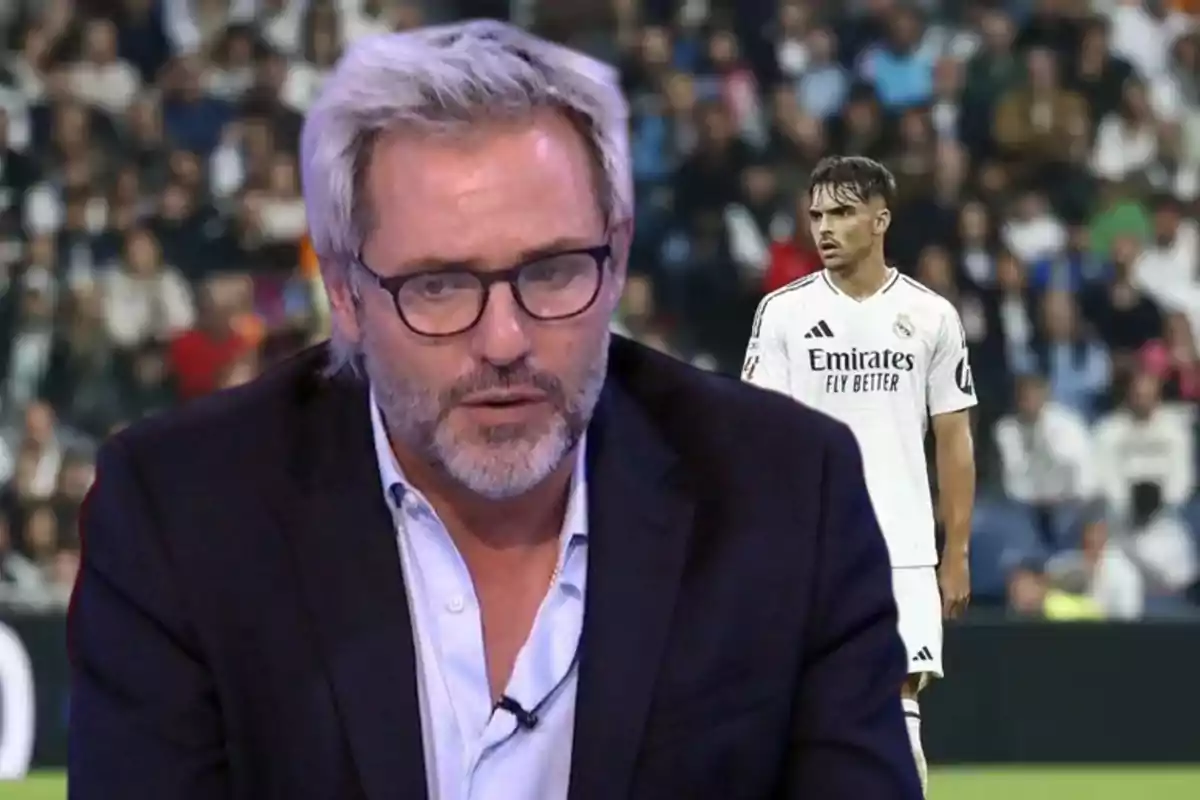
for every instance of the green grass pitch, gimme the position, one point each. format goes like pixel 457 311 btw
pixel 959 783
pixel 1064 783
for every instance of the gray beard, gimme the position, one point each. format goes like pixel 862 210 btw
pixel 496 462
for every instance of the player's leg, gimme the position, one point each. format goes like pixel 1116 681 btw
pixel 912 719
pixel 919 604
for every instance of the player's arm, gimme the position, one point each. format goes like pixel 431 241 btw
pixel 951 395
pixel 955 458
pixel 766 362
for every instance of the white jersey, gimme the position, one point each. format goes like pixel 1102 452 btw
pixel 882 365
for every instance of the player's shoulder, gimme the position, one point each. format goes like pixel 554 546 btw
pixel 798 292
pixel 926 305
pixel 789 305
pixel 912 290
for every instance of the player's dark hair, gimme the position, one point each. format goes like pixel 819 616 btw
pixel 853 178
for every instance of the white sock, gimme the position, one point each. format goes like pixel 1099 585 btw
pixel 912 718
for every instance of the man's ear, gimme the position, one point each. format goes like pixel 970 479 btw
pixel 621 242
pixel 883 221
pixel 343 298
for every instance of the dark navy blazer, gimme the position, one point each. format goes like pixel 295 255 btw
pixel 240 627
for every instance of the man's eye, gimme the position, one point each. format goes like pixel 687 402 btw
pixel 556 271
pixel 429 286
pixel 436 286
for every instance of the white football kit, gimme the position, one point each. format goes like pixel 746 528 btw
pixel 882 365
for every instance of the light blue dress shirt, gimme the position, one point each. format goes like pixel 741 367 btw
pixel 471 752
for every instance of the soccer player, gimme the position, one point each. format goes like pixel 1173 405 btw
pixel 883 354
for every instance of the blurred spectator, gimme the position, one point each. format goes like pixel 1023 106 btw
pixel 231 71
pixel 792 257
pixel 707 180
pixel 100 77
pixel 1074 268
pixel 81 377
pixel 1173 360
pixel 321 48
pixel 1123 316
pixel 142 36
pixel 32 454
pixel 40 534
pixel 731 80
pixel 188 232
pixel 1099 75
pixel 1031 595
pixel 280 208
pixel 1100 571
pixel 1046 459
pixel 75 478
pixel 18 174
pixel 1050 25
pixel 18 575
pixel 1033 232
pixel 1127 140
pixel 148 388
pixel 144 298
pixel 1145 453
pixel 1143 31
pixel 794 48
pixel 1166 268
pixel 1174 171
pixel 192 119
pixel 898 67
pixel 364 17
pixel 199 357
pixel 822 85
pixel 1073 359
pixel 31 330
pixel 1036 121
pixel 755 221
pixel 992 70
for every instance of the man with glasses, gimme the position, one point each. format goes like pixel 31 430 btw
pixel 475 547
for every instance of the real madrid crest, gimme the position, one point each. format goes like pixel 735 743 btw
pixel 904 327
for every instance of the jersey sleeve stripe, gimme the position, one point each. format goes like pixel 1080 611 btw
pixel 799 283
pixel 921 287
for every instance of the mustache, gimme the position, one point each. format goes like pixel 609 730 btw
pixel 516 377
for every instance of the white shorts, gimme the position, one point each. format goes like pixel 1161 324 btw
pixel 919 602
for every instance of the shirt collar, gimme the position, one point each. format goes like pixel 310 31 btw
pixel 395 486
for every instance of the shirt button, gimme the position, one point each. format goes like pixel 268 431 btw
pixel 456 604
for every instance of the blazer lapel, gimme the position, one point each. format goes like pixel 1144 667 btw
pixel 640 520
pixel 344 543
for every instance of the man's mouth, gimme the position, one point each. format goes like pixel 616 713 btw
pixel 509 399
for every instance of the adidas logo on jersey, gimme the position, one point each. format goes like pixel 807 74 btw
pixel 923 655
pixel 819 331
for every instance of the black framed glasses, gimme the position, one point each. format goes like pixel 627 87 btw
pixel 447 302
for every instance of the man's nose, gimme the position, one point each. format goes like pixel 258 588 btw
pixel 502 335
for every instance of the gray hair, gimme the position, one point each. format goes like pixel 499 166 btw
pixel 438 80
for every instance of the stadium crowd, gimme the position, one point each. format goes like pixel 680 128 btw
pixel 1047 154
